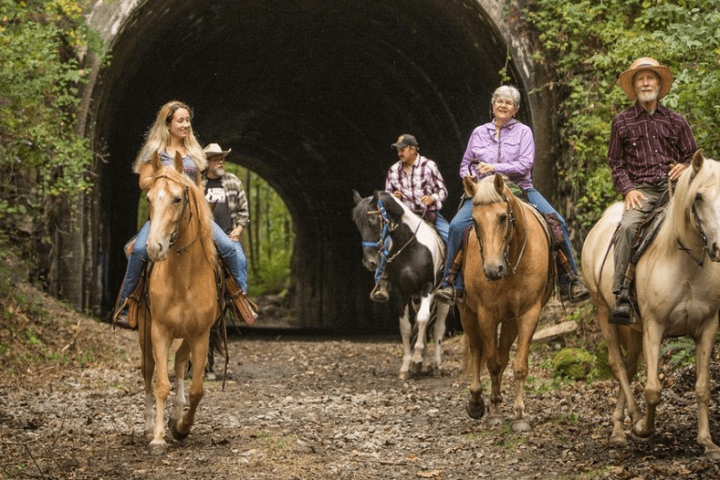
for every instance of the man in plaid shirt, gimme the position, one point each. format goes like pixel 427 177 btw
pixel 649 146
pixel 416 182
pixel 224 192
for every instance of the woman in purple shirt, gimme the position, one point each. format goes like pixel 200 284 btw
pixel 506 147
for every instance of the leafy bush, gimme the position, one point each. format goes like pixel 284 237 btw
pixel 43 45
pixel 588 44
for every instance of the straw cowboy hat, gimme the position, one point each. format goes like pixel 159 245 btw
pixel 214 149
pixel 645 63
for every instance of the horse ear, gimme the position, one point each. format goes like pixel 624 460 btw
pixel 356 197
pixel 469 186
pixel 499 184
pixel 157 165
pixel 178 162
pixel 697 161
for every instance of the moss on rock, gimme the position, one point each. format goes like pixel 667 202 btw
pixel 574 363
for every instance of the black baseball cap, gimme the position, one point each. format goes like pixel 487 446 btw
pixel 405 140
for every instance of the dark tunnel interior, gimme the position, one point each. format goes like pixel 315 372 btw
pixel 309 94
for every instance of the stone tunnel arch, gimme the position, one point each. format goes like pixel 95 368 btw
pixel 308 94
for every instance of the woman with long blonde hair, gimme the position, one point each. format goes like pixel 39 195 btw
pixel 171 133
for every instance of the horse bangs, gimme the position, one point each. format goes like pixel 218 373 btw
pixel 485 193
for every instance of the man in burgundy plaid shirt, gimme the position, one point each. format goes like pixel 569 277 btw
pixel 649 146
pixel 415 181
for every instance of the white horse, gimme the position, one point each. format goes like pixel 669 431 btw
pixel 678 293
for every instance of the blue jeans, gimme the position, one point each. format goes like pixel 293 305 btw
pixel 230 251
pixel 463 219
pixel 442 226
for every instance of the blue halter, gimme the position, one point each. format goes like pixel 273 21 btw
pixel 385 241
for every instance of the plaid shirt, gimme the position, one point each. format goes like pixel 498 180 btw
pixel 236 199
pixel 644 147
pixel 424 179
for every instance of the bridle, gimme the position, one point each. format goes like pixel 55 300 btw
pixel 176 231
pixel 508 235
pixel 703 236
pixel 383 244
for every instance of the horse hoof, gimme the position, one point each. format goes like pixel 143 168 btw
pixel 521 426
pixel 157 447
pixel 476 411
pixel 713 454
pixel 640 432
pixel 495 421
pixel 177 435
pixel 617 441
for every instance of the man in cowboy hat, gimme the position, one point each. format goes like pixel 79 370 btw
pixel 649 145
pixel 224 191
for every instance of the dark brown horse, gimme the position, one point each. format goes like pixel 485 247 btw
pixel 508 279
pixel 182 298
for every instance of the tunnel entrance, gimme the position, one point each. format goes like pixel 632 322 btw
pixel 309 95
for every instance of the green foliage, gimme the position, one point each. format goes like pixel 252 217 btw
pixel 268 241
pixel 43 44
pixel 588 44
pixel 679 351
pixel 602 370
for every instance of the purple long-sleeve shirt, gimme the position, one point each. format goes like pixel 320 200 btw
pixel 513 153
pixel 644 147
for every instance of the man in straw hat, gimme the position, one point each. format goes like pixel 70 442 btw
pixel 649 145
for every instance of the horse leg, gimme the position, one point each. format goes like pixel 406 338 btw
pixel 653 390
pixel 441 313
pixel 473 350
pixel 405 333
pixel 526 325
pixel 181 428
pixel 148 370
pixel 496 367
pixel 181 359
pixel 617 364
pixel 160 346
pixel 422 318
pixel 703 352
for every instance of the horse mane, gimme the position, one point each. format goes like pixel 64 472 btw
pixel 485 193
pixel 199 207
pixel 679 221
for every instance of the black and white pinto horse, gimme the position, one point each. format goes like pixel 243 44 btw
pixel 413 265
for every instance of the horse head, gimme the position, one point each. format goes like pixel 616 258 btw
pixel 368 219
pixel 167 200
pixel 696 203
pixel 494 219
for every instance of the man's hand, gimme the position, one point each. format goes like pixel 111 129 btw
pixel 676 171
pixel 427 200
pixel 235 234
pixel 633 199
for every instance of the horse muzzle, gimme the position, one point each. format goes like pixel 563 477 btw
pixel 496 271
pixel 158 251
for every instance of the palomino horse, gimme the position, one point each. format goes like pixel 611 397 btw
pixel 182 297
pixel 678 293
pixel 508 279
pixel 414 267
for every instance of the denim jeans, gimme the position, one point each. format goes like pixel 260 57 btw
pixel 230 251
